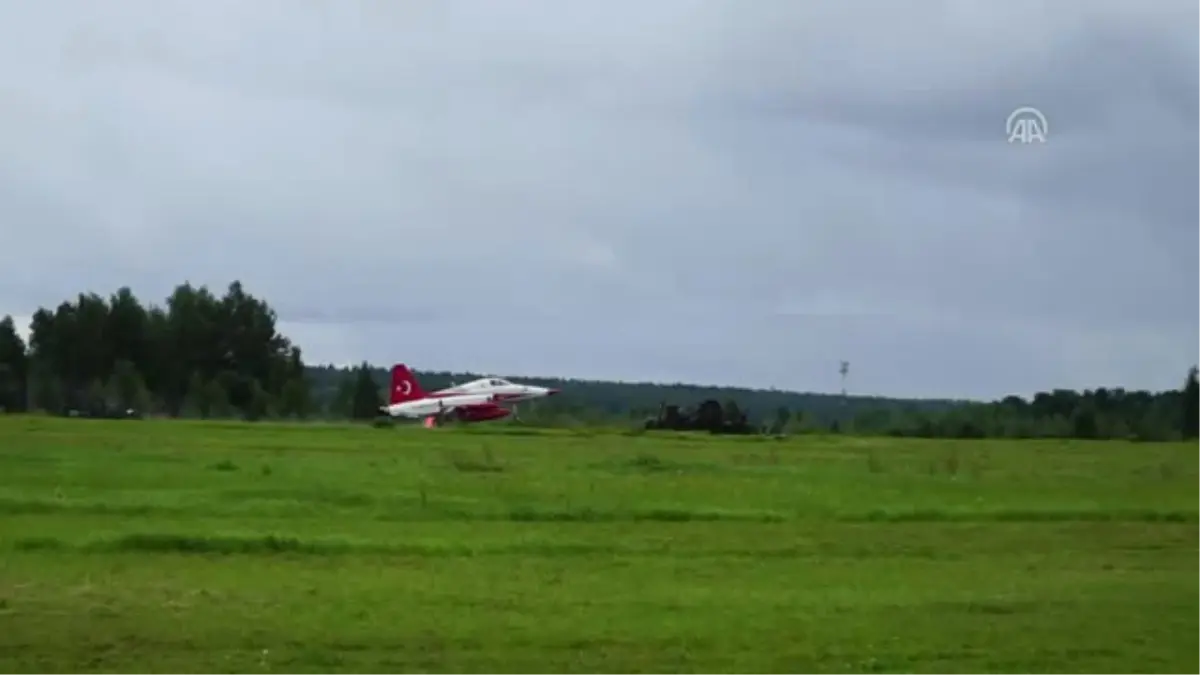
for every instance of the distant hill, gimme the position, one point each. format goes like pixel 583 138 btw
pixel 597 400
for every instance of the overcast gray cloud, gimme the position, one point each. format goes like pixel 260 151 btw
pixel 724 192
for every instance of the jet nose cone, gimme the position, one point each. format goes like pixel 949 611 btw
pixel 551 392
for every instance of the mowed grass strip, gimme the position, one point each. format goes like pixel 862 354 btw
pixel 224 547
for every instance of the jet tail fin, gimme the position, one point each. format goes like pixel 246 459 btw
pixel 404 385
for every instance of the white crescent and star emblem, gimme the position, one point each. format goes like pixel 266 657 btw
pixel 404 388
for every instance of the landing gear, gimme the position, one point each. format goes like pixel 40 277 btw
pixel 435 421
pixel 440 418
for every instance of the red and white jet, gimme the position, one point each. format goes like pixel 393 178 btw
pixel 475 401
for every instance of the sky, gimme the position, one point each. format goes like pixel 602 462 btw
pixel 741 193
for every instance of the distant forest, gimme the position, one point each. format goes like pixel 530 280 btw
pixel 209 356
pixel 603 402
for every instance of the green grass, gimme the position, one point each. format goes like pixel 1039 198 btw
pixel 219 547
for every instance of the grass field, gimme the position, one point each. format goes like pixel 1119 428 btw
pixel 221 547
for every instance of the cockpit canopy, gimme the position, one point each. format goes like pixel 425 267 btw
pixel 497 382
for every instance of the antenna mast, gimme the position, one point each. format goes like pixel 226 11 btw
pixel 844 369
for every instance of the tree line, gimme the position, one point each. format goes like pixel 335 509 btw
pixel 198 355
pixel 1101 413
pixel 595 402
pixel 709 416
pixel 207 356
